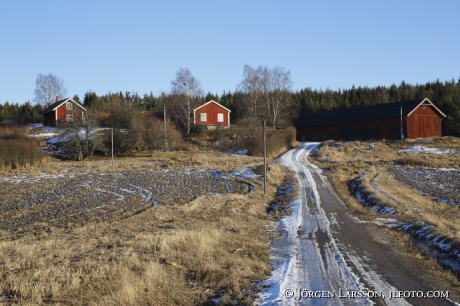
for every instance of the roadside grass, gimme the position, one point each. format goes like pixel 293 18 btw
pixel 424 261
pixel 160 160
pixel 167 255
pixel 346 161
pixel 445 217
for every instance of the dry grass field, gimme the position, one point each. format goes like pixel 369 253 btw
pixel 414 185
pixel 192 248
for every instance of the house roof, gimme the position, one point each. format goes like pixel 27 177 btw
pixel 365 113
pixel 56 104
pixel 212 101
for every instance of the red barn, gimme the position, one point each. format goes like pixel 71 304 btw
pixel 212 114
pixel 417 118
pixel 63 111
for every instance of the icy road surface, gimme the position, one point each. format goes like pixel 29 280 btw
pixel 311 267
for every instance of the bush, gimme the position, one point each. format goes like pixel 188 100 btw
pixel 277 141
pixel 15 154
pixel 17 149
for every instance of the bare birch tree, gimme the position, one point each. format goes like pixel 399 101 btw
pixel 277 84
pixel 267 94
pixel 251 87
pixel 187 91
pixel 47 88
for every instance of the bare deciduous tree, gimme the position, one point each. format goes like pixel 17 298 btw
pixel 81 136
pixel 150 132
pixel 47 88
pixel 267 94
pixel 251 87
pixel 276 88
pixel 187 91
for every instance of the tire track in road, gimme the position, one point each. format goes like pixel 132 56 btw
pixel 340 256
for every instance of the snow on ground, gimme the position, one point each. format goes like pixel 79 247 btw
pixel 246 173
pixel 81 197
pixel 43 135
pixel 427 150
pixel 238 153
pixel 81 134
pixel 301 265
pixel 368 200
pixel 441 184
pixel 431 182
pixel 42 128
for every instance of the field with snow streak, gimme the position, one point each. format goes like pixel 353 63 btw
pixel 66 200
pixel 441 184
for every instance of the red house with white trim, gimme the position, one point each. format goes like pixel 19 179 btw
pixel 63 111
pixel 212 114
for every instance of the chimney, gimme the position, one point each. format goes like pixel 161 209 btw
pixel 58 98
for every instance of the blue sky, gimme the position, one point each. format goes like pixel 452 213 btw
pixel 140 45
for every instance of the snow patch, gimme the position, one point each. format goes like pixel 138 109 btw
pixel 427 150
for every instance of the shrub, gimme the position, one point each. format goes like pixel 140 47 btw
pixel 17 149
pixel 15 154
pixel 277 141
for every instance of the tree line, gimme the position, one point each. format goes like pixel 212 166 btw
pixel 445 95
pixel 263 94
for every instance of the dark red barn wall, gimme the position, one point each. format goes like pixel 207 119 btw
pixel 424 123
pixel 363 130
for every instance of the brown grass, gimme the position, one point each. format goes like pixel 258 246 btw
pixel 347 161
pixel 17 150
pixel 186 147
pixel 167 255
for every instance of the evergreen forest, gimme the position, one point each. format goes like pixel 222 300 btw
pixel 445 95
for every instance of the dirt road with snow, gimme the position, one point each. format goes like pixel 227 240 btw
pixel 328 257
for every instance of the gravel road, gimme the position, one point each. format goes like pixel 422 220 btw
pixel 329 257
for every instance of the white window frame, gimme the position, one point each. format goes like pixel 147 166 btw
pixel 203 117
pixel 69 118
pixel 220 117
pixel 68 106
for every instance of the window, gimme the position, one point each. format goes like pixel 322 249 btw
pixel 316 137
pixel 416 117
pixel 203 117
pixel 220 117
pixel 324 136
pixel 432 117
pixel 69 118
pixel 424 108
pixel 69 105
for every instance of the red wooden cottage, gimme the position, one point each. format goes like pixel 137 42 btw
pixel 63 111
pixel 212 114
pixel 417 118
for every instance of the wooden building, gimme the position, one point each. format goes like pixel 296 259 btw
pixel 63 111
pixel 212 114
pixel 417 118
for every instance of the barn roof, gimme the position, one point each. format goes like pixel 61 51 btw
pixel 365 113
pixel 56 104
